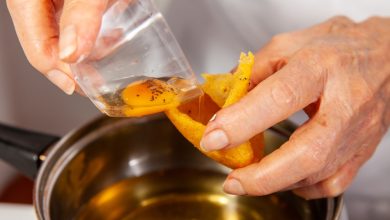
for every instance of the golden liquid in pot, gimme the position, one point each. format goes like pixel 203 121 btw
pixel 187 194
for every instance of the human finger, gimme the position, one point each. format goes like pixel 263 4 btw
pixel 338 182
pixel 333 186
pixel 272 101
pixel 79 26
pixel 305 154
pixel 37 30
pixel 268 60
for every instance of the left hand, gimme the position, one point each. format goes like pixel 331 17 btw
pixel 55 33
pixel 339 72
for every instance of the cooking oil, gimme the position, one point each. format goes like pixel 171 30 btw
pixel 184 194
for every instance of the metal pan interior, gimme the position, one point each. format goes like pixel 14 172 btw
pixel 144 169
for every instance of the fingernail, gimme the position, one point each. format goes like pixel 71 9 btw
pixel 215 140
pixel 61 80
pixel 233 186
pixel 68 41
pixel 81 58
pixel 213 118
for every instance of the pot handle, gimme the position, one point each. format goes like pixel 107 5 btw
pixel 24 149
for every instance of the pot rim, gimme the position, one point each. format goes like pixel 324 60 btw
pixel 48 169
pixel 58 156
pixel 339 204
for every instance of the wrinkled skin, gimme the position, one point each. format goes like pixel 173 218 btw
pixel 339 72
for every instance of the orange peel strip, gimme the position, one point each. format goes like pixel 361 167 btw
pixel 218 86
pixel 229 91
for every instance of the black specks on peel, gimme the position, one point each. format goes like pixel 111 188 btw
pixel 137 95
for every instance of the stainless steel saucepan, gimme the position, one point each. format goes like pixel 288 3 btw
pixel 142 169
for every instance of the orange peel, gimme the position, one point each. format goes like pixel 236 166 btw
pixel 221 90
pixel 218 86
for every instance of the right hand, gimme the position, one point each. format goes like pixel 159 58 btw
pixel 54 33
pixel 339 73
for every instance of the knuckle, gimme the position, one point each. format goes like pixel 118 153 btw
pixel 316 161
pixel 316 156
pixel 308 181
pixel 332 189
pixel 41 56
pixel 346 56
pixel 326 171
pixel 283 94
pixel 373 19
pixel 258 183
pixel 339 23
pixel 237 123
pixel 280 38
pixel 320 53
pixel 315 60
pixel 262 186
pixel 276 39
pixel 340 19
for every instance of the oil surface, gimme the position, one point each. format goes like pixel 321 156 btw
pixel 186 194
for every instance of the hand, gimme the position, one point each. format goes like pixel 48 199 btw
pixel 339 71
pixel 54 33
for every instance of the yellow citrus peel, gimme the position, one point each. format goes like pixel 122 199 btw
pixel 221 90
pixel 218 86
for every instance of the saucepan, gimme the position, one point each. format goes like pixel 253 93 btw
pixel 142 168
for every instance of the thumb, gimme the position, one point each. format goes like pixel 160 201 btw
pixel 79 25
